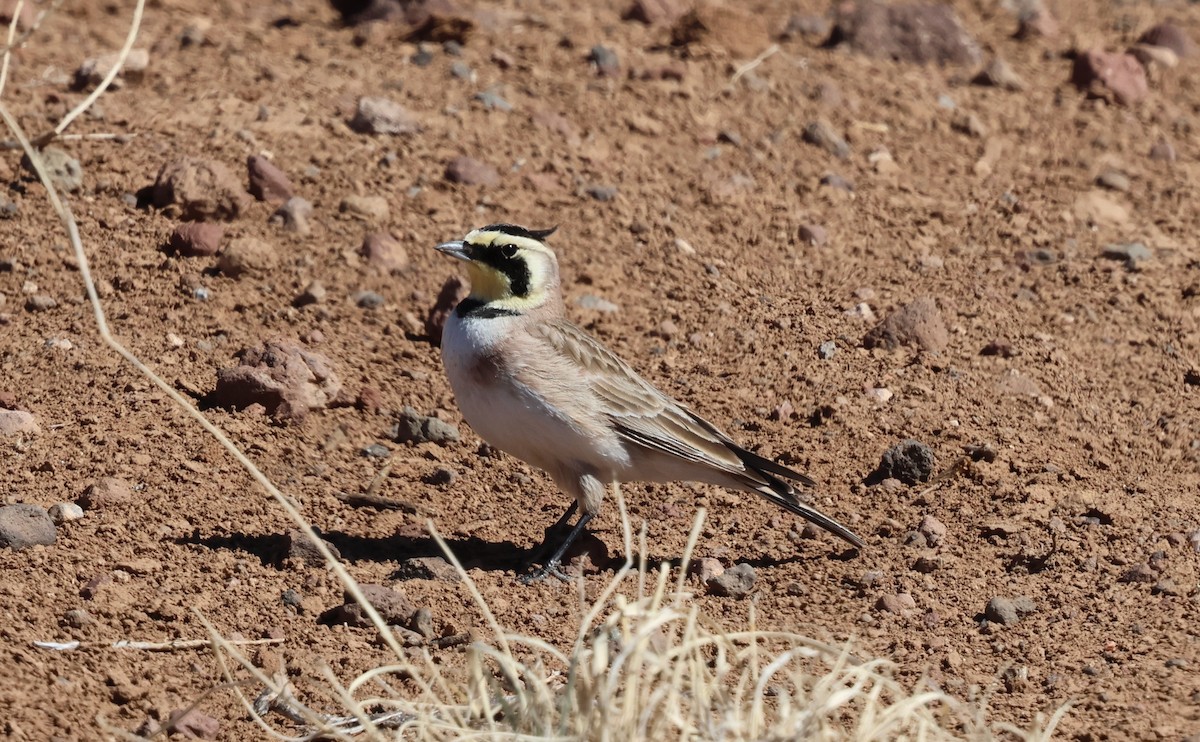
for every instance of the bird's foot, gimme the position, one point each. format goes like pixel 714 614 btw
pixel 537 574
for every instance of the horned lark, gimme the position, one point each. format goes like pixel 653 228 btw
pixel 533 384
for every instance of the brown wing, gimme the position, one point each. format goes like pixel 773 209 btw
pixel 641 413
pixel 644 416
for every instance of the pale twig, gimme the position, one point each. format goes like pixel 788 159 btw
pixel 289 507
pixel 12 32
pixel 749 66
pixel 87 102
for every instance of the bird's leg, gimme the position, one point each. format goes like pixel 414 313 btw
pixel 551 567
pixel 540 551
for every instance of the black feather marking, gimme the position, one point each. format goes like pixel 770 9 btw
pixel 479 309
pixel 516 231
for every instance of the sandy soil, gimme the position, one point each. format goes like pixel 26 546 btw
pixel 1062 402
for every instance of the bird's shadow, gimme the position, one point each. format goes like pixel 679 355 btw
pixel 471 552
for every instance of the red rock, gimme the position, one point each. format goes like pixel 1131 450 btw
pixel 469 171
pixel 813 234
pixel 200 189
pixel 453 291
pixel 1110 74
pixel 918 32
pixel 286 379
pixel 193 724
pixel 393 607
pixel 1163 151
pixel 898 603
pixel 383 250
pixel 918 323
pixel 1170 36
pixel 17 422
pixel 248 256
pixel 104 492
pixel 369 400
pixel 193 239
pixel 267 182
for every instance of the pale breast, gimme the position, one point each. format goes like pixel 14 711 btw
pixel 524 401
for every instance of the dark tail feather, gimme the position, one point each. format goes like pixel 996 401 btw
pixel 784 495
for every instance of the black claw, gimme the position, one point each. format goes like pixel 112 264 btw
pixel 551 566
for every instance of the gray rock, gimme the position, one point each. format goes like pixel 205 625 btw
pixel 822 134
pixel 602 193
pixel 376 451
pixel 40 303
pixel 1008 611
pixel 905 32
pixel 827 350
pixel 735 582
pixel 393 607
pixel 607 63
pixel 422 623
pixel 77 618
pixel 23 525
pixel 294 215
pixel 419 428
pixel 462 70
pixel 909 461
pixel 65 171
pixel 493 101
pixel 368 300
pixel 427 568
pixel 300 548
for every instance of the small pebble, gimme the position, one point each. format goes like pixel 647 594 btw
pixel 40 303
pixel 827 350
pixel 368 300
pixel 294 215
pixel 376 451
pixel 605 60
pixel 822 134
pixel 602 193
pixel 418 428
pixel 735 582
pixel 64 512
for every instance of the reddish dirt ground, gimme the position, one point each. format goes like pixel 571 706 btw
pixel 1075 372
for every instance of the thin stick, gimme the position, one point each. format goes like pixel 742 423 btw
pixel 12 32
pixel 78 110
pixel 748 66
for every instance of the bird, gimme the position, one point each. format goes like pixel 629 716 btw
pixel 532 384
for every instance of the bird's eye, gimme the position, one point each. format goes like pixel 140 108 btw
pixel 509 251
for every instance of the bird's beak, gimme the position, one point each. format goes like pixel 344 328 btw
pixel 455 249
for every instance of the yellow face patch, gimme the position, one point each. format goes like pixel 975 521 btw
pixel 508 271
